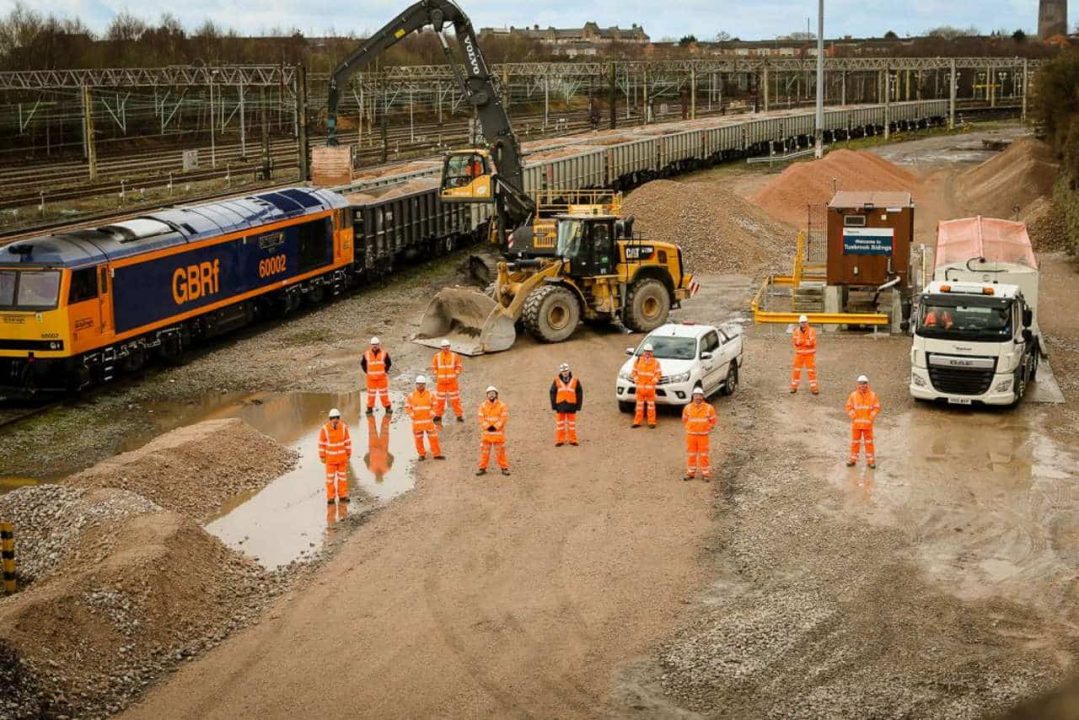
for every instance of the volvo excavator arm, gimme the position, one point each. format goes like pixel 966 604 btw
pixel 478 85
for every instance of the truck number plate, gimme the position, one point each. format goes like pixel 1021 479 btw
pixel 959 401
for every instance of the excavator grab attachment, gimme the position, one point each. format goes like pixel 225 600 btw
pixel 472 322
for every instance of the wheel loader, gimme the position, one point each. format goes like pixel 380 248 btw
pixel 568 258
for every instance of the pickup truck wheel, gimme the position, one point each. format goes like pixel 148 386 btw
pixel 551 313
pixel 730 384
pixel 647 305
pixel 627 407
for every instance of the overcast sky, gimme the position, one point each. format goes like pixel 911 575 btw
pixel 747 19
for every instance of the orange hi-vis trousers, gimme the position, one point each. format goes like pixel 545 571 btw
pixel 859 435
pixel 646 397
pixel 378 386
pixel 448 391
pixel 337 479
pixel 565 427
pixel 809 362
pixel 500 454
pixel 432 439
pixel 697 457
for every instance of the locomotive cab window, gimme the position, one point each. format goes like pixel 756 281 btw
pixel 314 244
pixel 29 289
pixel 83 286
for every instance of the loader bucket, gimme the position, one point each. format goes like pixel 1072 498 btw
pixel 472 322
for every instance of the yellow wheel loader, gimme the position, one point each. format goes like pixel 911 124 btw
pixel 598 272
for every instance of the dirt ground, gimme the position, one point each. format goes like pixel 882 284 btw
pixel 594 583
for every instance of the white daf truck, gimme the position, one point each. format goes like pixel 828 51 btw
pixel 976 337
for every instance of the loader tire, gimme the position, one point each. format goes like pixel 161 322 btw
pixel 551 313
pixel 647 305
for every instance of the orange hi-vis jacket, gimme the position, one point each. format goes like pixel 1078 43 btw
pixel 699 419
pixel 375 365
pixel 446 365
pixel 334 444
pixel 496 415
pixel 863 408
pixel 420 406
pixel 805 343
pixel 646 373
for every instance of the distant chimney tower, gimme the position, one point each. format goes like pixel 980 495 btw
pixel 1052 18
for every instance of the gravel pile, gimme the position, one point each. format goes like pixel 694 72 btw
pixel 49 519
pixel 195 469
pixel 814 182
pixel 719 232
pixel 1019 176
pixel 129 595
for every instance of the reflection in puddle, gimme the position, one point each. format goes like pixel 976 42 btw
pixel 14 482
pixel 289 519
pixel 988 498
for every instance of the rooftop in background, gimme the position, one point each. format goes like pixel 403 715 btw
pixel 590 32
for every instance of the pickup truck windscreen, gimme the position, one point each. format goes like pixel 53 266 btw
pixel 972 319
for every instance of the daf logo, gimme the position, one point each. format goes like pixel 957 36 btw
pixel 962 363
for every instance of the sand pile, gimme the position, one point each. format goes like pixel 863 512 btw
pixel 1018 176
pixel 122 592
pixel 719 232
pixel 811 183
pixel 195 469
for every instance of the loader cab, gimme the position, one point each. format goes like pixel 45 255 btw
pixel 467 177
pixel 588 243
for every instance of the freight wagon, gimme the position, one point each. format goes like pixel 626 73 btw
pixel 81 307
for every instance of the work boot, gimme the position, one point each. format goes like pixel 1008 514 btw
pixel 851 463
pixel 438 418
pixel 573 442
pixel 651 426
pixel 872 466
pixel 559 444
pixel 634 426
pixel 389 410
pixel 330 501
pixel 370 411
pixel 505 471
pixel 794 390
pixel 481 471
pixel 460 418
pixel 815 391
pixel 421 458
pixel 688 476
pixel 707 478
pixel 440 457
pixel 343 500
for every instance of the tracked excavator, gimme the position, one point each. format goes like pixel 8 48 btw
pixel 567 255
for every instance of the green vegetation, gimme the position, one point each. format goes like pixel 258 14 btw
pixel 1055 106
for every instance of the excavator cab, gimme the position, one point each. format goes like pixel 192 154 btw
pixel 467 177
pixel 587 242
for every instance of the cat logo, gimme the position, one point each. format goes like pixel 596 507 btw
pixel 196 281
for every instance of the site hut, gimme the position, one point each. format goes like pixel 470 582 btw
pixel 870 235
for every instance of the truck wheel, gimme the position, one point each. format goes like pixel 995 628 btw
pixel 647 305
pixel 551 313
pixel 1034 362
pixel 730 384
pixel 626 407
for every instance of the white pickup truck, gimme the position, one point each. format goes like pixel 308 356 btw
pixel 690 356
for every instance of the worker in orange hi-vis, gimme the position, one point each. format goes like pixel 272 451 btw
pixel 805 355
pixel 334 450
pixel 646 374
pixel 420 406
pixel 863 406
pixel 699 418
pixel 493 416
pixel 446 366
pixel 567 397
pixel 376 363
pixel 378 458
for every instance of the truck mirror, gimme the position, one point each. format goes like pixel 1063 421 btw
pixel 629 351
pixel 1028 335
pixel 1028 318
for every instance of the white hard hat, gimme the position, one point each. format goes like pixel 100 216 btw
pixel 863 378
pixel 444 343
pixel 335 413
pixel 563 367
pixel 490 389
pixel 375 341
pixel 647 347
pixel 698 391
pixel 802 319
pixel 421 380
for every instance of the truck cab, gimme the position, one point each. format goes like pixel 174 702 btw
pixel 974 342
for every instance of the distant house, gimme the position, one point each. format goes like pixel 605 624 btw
pixel 587 40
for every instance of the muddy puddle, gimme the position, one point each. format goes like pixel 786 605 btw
pixel 289 519
pixel 988 499
pixel 14 482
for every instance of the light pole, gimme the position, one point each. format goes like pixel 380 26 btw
pixel 820 81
